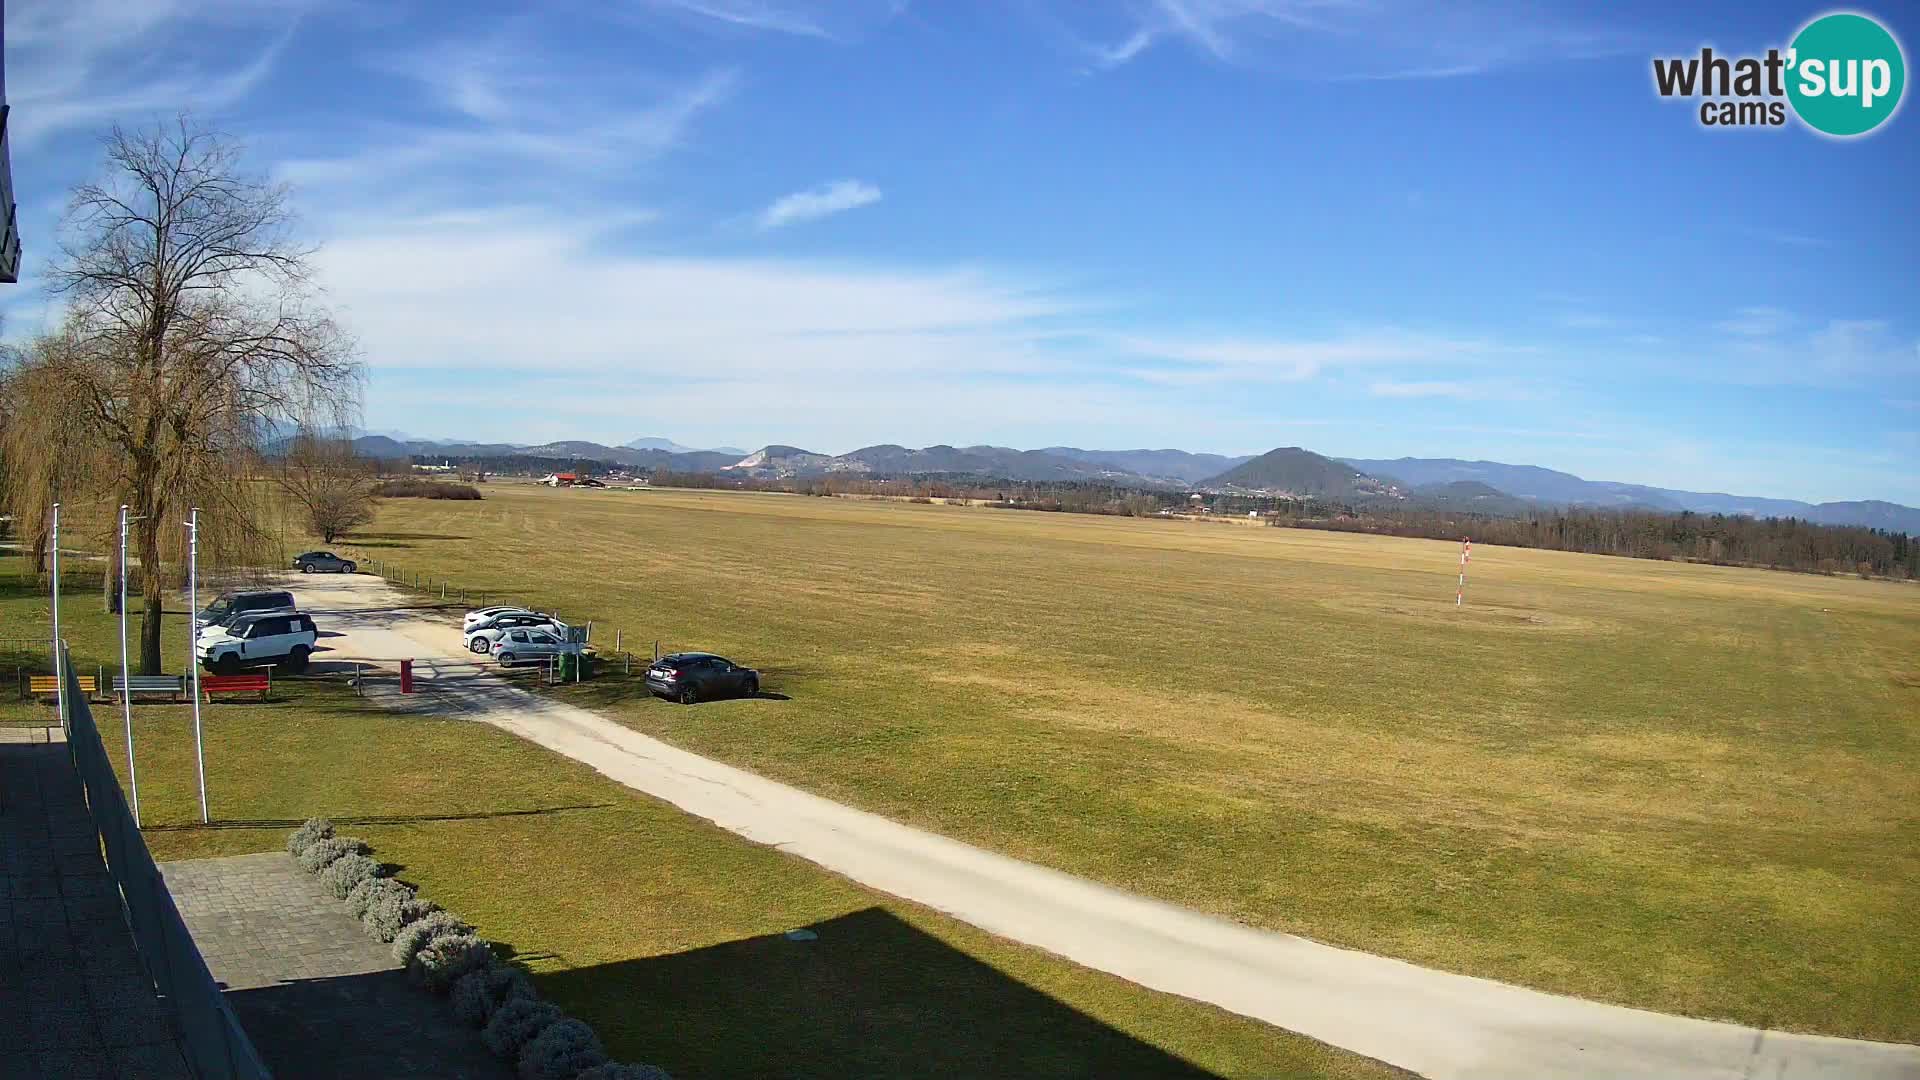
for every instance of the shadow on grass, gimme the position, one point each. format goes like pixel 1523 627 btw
pixel 396 819
pixel 868 995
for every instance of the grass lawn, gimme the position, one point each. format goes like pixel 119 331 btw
pixel 664 932
pixel 1681 787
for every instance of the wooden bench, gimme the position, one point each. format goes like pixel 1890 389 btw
pixel 236 684
pixel 48 686
pixel 170 685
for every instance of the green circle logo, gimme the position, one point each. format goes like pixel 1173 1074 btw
pixel 1846 74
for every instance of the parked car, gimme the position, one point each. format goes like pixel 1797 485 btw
pixel 230 605
pixel 482 635
pixel 480 615
pixel 323 562
pixel 282 638
pixel 691 677
pixel 523 643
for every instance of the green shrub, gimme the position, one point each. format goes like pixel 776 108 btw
pixel 561 1051
pixel 478 993
pixel 414 936
pixel 515 1024
pixel 344 874
pixel 321 853
pixel 446 957
pixel 314 828
pixel 391 908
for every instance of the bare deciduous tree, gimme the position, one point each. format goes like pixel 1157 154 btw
pixel 333 488
pixel 192 336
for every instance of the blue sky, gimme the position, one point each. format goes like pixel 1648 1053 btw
pixel 1368 228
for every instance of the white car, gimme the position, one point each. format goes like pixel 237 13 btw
pixel 482 635
pixel 531 643
pixel 480 615
pixel 282 638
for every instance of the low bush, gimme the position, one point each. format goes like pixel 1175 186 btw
pixel 515 1024
pixel 344 874
pixel 615 1070
pixel 389 910
pixel 561 1052
pixel 426 489
pixel 478 993
pixel 445 958
pixel 362 895
pixel 321 853
pixel 414 936
pixel 314 828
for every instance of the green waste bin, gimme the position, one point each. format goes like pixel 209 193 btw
pixel 569 666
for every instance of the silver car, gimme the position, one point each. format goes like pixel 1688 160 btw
pixel 323 562
pixel 482 635
pixel 521 644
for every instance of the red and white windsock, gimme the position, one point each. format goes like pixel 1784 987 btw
pixel 1466 556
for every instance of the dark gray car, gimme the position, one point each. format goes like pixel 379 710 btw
pixel 323 562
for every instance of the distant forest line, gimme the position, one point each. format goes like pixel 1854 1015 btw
pixel 1724 540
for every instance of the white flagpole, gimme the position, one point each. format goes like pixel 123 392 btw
pixel 126 698
pixel 193 667
pixel 1460 591
pixel 59 672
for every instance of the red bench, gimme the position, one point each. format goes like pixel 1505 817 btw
pixel 236 684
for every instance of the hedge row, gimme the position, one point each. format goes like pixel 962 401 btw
pixel 444 956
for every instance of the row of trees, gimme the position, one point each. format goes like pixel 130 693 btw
pixel 191 339
pixel 1775 543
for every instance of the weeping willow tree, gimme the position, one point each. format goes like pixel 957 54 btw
pixel 192 337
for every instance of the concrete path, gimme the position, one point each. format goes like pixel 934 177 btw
pixel 319 998
pixel 1432 1022
pixel 74 1000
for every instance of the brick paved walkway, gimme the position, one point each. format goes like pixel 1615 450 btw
pixel 74 1001
pixel 318 997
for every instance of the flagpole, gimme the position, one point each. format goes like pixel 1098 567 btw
pixel 193 667
pixel 126 696
pixel 59 671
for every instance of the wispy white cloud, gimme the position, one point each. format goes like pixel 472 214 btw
pixel 818 202
pixel 1756 322
pixel 1459 390
pixel 746 14
pixel 834 20
pixel 572 129
pixel 1192 360
pixel 1344 40
pixel 88 63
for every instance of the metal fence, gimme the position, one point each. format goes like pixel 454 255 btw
pixel 216 1046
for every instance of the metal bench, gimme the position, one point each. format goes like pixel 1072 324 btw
pixel 170 685
pixel 48 686
pixel 236 684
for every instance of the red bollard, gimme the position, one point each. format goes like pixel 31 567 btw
pixel 406 676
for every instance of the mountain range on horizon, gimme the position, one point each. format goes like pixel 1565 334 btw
pixel 1480 486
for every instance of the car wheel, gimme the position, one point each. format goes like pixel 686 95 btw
pixel 227 664
pixel 506 659
pixel 349 568
pixel 477 645
pixel 306 568
pixel 752 689
pixel 296 661
pixel 688 695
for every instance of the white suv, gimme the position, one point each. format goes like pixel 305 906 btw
pixel 283 638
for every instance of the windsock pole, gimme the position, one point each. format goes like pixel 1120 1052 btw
pixel 1466 556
